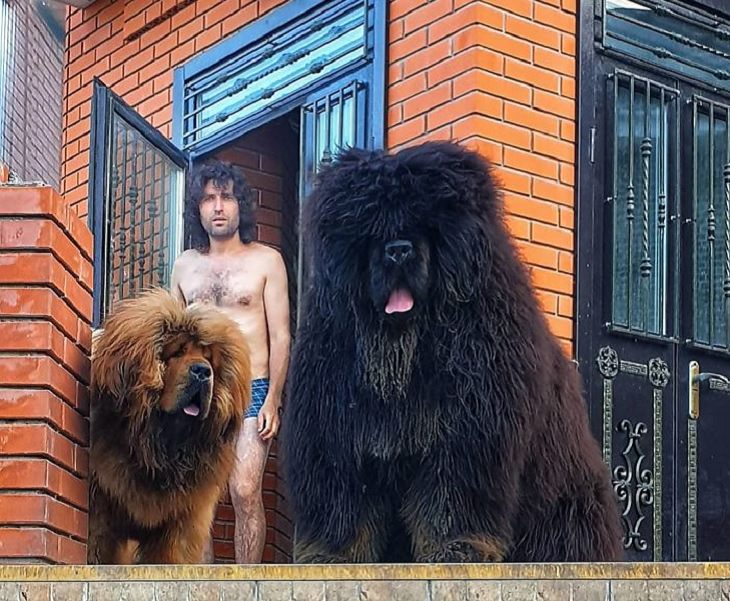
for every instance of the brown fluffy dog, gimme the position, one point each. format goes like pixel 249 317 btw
pixel 169 388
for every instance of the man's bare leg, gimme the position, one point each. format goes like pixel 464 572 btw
pixel 246 493
pixel 208 553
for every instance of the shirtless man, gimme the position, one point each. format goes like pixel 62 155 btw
pixel 248 281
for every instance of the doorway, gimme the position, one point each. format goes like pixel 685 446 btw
pixel 654 270
pixel 269 158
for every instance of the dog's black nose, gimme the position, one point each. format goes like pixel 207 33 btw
pixel 200 371
pixel 398 251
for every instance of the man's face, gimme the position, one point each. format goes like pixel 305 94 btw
pixel 219 210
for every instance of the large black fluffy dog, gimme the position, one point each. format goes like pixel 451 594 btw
pixel 431 414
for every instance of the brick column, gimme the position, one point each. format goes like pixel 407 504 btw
pixel 45 341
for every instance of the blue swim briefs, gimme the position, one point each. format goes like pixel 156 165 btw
pixel 259 390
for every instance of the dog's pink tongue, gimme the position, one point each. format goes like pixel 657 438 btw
pixel 400 301
pixel 192 410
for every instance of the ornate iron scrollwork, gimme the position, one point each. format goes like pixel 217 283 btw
pixel 608 365
pixel 692 490
pixel 636 486
pixel 658 373
pixel 633 485
pixel 607 362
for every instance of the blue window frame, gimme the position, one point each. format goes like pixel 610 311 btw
pixel 278 63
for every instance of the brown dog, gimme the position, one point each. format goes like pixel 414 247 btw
pixel 169 388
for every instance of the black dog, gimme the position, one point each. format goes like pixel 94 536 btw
pixel 432 415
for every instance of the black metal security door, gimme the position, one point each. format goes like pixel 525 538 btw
pixel 654 269
pixel 703 364
pixel 633 334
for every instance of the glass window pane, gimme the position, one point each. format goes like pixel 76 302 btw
pixel 644 116
pixel 711 216
pixel 675 38
pixel 144 210
pixel 265 73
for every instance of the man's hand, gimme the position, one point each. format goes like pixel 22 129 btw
pixel 268 420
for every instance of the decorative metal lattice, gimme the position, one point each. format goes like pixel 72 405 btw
pixel 670 36
pixel 658 373
pixel 142 214
pixel 261 75
pixel 330 124
pixel 634 485
pixel 607 362
pixel 645 119
pixel 711 221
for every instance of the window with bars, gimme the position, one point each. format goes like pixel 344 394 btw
pixel 143 214
pixel 137 190
pixel 711 222
pixel 671 36
pixel 332 121
pixel 690 45
pixel 273 65
pixel 644 143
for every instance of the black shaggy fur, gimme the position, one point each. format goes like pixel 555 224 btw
pixel 455 431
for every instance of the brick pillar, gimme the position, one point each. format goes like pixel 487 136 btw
pixel 45 340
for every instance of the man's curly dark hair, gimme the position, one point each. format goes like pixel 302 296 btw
pixel 220 173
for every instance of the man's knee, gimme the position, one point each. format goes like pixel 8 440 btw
pixel 245 492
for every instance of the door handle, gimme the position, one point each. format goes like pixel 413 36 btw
pixel 695 379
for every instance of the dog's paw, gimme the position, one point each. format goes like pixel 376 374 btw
pixel 472 551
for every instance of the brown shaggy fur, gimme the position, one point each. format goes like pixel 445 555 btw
pixel 156 471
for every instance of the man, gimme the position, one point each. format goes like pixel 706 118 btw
pixel 248 281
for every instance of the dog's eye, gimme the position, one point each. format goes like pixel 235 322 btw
pixel 178 352
pixel 174 352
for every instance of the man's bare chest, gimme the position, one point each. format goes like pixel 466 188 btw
pixel 223 286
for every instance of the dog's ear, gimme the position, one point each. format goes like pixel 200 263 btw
pixel 118 368
pixel 110 377
pixel 125 355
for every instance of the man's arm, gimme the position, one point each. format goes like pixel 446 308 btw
pixel 175 277
pixel 276 305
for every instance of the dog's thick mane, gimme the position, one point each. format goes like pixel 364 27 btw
pixel 154 317
pixel 482 444
pixel 127 382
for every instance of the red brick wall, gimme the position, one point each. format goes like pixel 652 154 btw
pixel 45 337
pixel 503 80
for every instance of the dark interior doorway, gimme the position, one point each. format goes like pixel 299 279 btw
pixel 269 157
